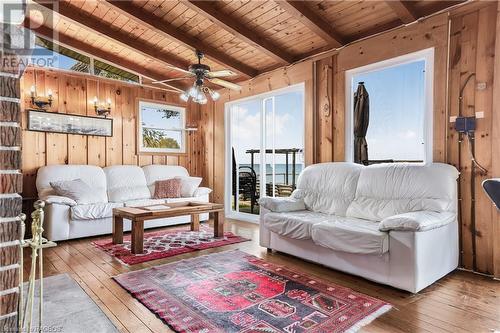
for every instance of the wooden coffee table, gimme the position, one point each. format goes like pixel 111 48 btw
pixel 137 215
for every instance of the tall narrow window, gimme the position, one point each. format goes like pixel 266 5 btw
pixel 265 146
pixel 399 111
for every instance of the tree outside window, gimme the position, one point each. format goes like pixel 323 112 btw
pixel 161 128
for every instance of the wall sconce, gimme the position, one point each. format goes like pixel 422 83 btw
pixel 102 109
pixel 40 101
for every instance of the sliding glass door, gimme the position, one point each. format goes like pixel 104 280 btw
pixel 264 148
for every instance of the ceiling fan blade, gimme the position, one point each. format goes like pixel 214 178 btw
pixel 172 87
pixel 174 79
pixel 222 73
pixel 225 84
pixel 185 71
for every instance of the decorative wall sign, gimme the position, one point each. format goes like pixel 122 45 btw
pixel 43 121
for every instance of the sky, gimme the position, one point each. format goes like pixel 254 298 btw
pixel 288 126
pixel 397 104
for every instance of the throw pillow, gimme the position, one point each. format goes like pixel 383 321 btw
pixel 77 190
pixel 169 188
pixel 189 185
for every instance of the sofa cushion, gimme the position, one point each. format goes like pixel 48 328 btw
pixel 125 183
pixel 94 211
pixel 296 224
pixel 189 185
pixel 280 205
pixel 328 187
pixel 93 176
pixel 391 189
pixel 156 172
pixel 351 235
pixel 77 190
pixel 143 202
pixel 417 221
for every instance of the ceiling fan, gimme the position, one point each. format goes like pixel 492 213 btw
pixel 201 72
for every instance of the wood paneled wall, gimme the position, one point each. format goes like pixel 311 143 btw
pixel 72 93
pixel 472 49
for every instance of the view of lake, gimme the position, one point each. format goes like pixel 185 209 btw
pixel 279 172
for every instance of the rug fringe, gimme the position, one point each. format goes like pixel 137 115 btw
pixel 368 319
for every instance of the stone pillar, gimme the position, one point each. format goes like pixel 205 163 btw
pixel 10 199
pixel 10 173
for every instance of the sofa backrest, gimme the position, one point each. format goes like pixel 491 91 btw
pixel 390 189
pixel 328 187
pixel 156 172
pixel 126 182
pixel 92 175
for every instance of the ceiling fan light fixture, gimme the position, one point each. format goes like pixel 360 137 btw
pixel 193 91
pixel 184 96
pixel 215 95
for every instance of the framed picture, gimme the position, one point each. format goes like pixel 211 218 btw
pixel 161 128
pixel 43 121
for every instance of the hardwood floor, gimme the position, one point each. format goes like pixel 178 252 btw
pixel 460 302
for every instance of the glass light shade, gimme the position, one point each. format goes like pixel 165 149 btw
pixel 184 97
pixel 202 100
pixel 193 91
pixel 215 95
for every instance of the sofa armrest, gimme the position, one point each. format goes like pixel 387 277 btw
pixel 56 199
pixel 201 191
pixel 280 205
pixel 417 221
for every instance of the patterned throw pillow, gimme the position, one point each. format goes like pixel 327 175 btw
pixel 169 188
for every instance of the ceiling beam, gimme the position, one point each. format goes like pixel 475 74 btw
pixel 232 25
pixel 313 21
pixel 403 10
pixel 78 45
pixel 78 17
pixel 136 13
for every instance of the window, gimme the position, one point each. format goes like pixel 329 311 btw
pixel 161 128
pixel 112 72
pixel 64 58
pixel 67 59
pixel 400 109
pixel 264 148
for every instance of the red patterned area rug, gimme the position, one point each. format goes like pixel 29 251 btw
pixel 236 292
pixel 163 244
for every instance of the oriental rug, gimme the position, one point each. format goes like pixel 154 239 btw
pixel 167 243
pixel 236 292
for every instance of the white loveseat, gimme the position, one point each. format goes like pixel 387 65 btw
pixel 393 223
pixel 116 186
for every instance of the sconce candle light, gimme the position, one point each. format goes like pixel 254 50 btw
pixel 101 108
pixel 40 102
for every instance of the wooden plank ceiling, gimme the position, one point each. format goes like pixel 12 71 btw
pixel 157 38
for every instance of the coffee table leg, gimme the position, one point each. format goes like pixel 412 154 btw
pixel 137 246
pixel 117 229
pixel 195 222
pixel 219 224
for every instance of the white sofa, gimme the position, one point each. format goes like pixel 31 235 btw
pixel 117 186
pixel 395 224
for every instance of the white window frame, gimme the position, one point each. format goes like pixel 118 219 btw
pixel 428 56
pixel 182 130
pixel 229 213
